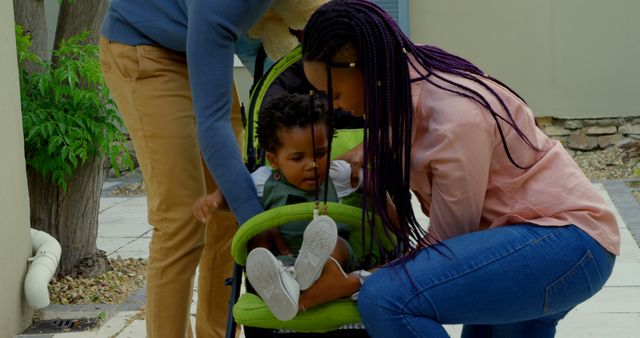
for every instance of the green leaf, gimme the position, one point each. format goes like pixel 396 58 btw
pixel 68 115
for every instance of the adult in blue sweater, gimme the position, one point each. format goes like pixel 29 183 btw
pixel 169 65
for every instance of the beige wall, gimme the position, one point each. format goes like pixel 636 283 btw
pixel 570 58
pixel 15 244
pixel 243 82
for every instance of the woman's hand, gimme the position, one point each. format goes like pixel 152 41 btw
pixel 205 205
pixel 355 157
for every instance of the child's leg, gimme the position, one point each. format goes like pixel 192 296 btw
pixel 270 239
pixel 333 283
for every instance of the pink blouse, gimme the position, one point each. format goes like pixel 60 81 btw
pixel 465 182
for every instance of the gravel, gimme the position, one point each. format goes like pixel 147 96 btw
pixel 611 163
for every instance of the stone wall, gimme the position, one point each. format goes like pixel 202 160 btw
pixel 591 134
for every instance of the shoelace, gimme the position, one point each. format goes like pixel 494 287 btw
pixel 288 269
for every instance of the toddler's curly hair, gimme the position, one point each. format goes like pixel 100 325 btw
pixel 288 111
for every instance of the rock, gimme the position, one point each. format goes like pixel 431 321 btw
pixel 603 122
pixel 609 140
pixel 573 124
pixel 582 142
pixel 628 143
pixel 600 130
pixel 555 131
pixel 630 129
pixel 544 121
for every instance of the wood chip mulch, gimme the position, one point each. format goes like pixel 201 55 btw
pixel 124 276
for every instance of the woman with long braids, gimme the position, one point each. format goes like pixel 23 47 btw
pixel 517 237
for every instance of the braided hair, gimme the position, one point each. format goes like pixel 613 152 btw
pixel 358 31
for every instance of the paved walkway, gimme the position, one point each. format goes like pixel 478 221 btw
pixel 613 313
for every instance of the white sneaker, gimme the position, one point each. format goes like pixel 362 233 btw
pixel 273 283
pixel 318 242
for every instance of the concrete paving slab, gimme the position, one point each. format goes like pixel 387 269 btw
pixel 136 248
pixel 108 203
pixel 112 244
pixel 119 226
pixel 126 253
pixel 614 300
pixel 625 274
pixel 629 251
pixel 136 202
pixel 453 330
pixel 112 327
pixel 136 329
pixel 59 311
pixel 108 185
pixel 599 325
pixel 605 195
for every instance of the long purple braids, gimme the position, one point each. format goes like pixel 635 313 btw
pixel 381 54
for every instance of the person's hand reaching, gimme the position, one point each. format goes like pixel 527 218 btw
pixel 205 205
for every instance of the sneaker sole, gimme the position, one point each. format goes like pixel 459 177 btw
pixel 264 276
pixel 319 241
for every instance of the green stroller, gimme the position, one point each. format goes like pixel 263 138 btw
pixel 334 319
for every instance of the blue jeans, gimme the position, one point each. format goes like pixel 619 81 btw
pixel 512 281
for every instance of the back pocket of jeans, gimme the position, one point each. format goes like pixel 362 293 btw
pixel 578 284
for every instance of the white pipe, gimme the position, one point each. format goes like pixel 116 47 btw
pixel 46 251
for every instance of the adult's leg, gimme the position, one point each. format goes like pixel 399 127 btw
pixel 151 88
pixel 504 276
pixel 216 263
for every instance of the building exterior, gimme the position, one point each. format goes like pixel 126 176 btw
pixel 569 59
pixel 15 242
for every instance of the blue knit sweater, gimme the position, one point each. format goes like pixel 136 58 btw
pixel 206 31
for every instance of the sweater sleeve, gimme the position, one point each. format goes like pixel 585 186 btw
pixel 340 173
pixel 260 177
pixel 213 28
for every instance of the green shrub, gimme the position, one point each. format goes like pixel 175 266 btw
pixel 67 114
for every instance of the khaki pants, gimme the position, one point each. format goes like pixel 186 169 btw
pixel 151 87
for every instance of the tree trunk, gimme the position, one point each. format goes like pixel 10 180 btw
pixel 79 16
pixel 71 218
pixel 30 15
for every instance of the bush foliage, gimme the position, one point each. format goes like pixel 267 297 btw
pixel 67 114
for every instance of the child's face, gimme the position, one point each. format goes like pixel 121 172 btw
pixel 294 158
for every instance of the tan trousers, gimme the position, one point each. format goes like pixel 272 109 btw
pixel 151 87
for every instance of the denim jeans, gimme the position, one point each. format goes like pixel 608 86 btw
pixel 511 281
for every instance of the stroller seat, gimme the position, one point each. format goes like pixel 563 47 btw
pixel 251 311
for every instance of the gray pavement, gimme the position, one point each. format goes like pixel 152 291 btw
pixel 614 312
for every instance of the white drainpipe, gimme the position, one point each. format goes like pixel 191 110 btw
pixel 46 251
